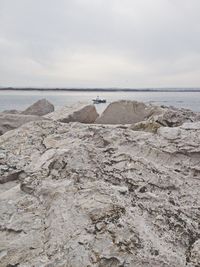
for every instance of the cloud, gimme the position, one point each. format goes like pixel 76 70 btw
pixel 129 43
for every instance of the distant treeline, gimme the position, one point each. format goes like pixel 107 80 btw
pixel 103 89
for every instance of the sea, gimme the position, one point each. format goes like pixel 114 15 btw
pixel 20 100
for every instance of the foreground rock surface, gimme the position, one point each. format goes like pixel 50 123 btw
pixel 12 121
pixel 39 108
pixel 131 112
pixel 93 195
pixel 75 113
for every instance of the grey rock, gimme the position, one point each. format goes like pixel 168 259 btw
pixel 12 121
pixel 11 177
pixel 100 195
pixel 75 113
pixel 194 254
pixel 146 117
pixel 2 155
pixel 127 112
pixel 173 117
pixel 39 108
pixel 147 126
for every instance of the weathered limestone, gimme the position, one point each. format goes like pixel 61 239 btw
pixel 39 108
pixel 172 116
pixel 127 112
pixel 132 112
pixel 75 113
pixel 80 112
pixel 97 195
pixel 12 121
pixel 147 126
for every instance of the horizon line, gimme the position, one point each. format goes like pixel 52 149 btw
pixel 108 89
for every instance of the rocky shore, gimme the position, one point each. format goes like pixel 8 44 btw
pixel 119 189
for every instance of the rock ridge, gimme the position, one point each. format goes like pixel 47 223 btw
pixel 99 195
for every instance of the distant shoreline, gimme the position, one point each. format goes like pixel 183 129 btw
pixel 102 89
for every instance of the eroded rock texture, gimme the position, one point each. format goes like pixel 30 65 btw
pixel 12 121
pixel 93 195
pixel 133 112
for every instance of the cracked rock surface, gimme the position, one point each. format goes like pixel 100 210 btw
pixel 139 113
pixel 76 195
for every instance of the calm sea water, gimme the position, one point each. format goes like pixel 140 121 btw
pixel 22 99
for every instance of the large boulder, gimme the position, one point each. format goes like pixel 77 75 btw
pixel 39 108
pixel 172 116
pixel 75 113
pixel 12 121
pixel 127 112
pixel 95 195
pixel 133 112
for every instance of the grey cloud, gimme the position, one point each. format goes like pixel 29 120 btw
pixel 129 43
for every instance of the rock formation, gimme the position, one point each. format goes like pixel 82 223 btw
pixel 146 126
pixel 94 195
pixel 39 108
pixel 11 111
pixel 131 112
pixel 75 113
pixel 127 112
pixel 172 116
pixel 12 121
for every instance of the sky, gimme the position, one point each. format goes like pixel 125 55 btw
pixel 100 43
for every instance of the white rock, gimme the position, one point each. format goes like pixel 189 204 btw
pixel 191 126
pixel 75 113
pixel 169 133
pixel 93 195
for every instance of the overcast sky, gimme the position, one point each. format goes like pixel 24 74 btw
pixel 100 43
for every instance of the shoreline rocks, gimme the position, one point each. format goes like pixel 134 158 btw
pixel 132 112
pixel 100 195
pixel 79 112
pixel 12 121
pixel 127 112
pixel 141 116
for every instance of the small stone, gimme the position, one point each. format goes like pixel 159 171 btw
pixel 122 189
pixel 99 226
pixel 2 156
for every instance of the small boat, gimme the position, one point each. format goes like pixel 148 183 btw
pixel 98 100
